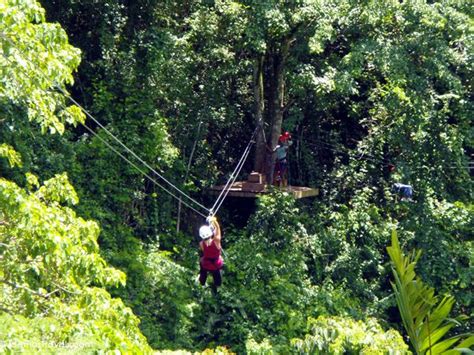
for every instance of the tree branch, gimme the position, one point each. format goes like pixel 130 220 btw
pixel 33 292
pixel 65 290
pixel 288 105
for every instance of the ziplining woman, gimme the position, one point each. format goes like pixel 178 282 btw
pixel 211 260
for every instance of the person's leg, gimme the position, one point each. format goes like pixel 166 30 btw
pixel 277 174
pixel 217 278
pixel 202 276
pixel 284 174
pixel 216 274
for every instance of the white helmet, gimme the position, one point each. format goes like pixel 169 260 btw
pixel 205 232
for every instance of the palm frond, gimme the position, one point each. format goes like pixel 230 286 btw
pixel 425 318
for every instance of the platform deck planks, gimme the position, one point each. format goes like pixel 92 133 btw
pixel 252 190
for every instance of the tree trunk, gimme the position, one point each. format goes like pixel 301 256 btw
pixel 276 113
pixel 260 150
pixel 276 98
pixel 264 162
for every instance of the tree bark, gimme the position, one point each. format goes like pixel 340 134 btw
pixel 277 58
pixel 278 90
pixel 276 98
pixel 260 150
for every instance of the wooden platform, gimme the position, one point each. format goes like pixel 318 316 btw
pixel 248 189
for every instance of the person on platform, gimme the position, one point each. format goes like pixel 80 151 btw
pixel 280 175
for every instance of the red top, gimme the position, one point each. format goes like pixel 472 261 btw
pixel 212 259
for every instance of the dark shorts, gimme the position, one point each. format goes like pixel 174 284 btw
pixel 281 166
pixel 216 275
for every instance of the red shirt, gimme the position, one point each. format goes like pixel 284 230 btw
pixel 211 259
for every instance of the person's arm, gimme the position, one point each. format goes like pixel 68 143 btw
pixel 217 233
pixel 276 148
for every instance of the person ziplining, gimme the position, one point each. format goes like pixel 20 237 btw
pixel 210 246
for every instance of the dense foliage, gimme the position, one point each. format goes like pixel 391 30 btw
pixel 373 92
pixel 48 272
pixel 342 336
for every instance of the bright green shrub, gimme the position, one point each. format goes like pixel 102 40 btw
pixel 50 266
pixel 443 230
pixel 262 348
pixel 40 335
pixel 36 58
pixel 339 335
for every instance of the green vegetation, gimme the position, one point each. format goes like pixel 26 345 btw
pixel 341 336
pixel 424 316
pixel 92 255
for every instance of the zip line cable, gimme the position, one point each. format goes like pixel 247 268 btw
pixel 333 147
pixel 232 178
pixel 470 165
pixel 225 191
pixel 140 170
pixel 130 162
pixel 345 151
pixel 232 183
pixel 326 142
pixel 236 171
pixel 178 218
pixel 66 94
pixel 220 199
pixel 385 161
pixel 372 157
pixel 183 194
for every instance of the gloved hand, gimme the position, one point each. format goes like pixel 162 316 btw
pixel 211 219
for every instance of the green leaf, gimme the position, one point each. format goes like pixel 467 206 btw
pixel 424 318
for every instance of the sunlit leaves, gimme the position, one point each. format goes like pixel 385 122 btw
pixel 35 59
pixel 6 151
pixel 50 261
pixel 58 190
pixel 163 297
pixel 339 335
